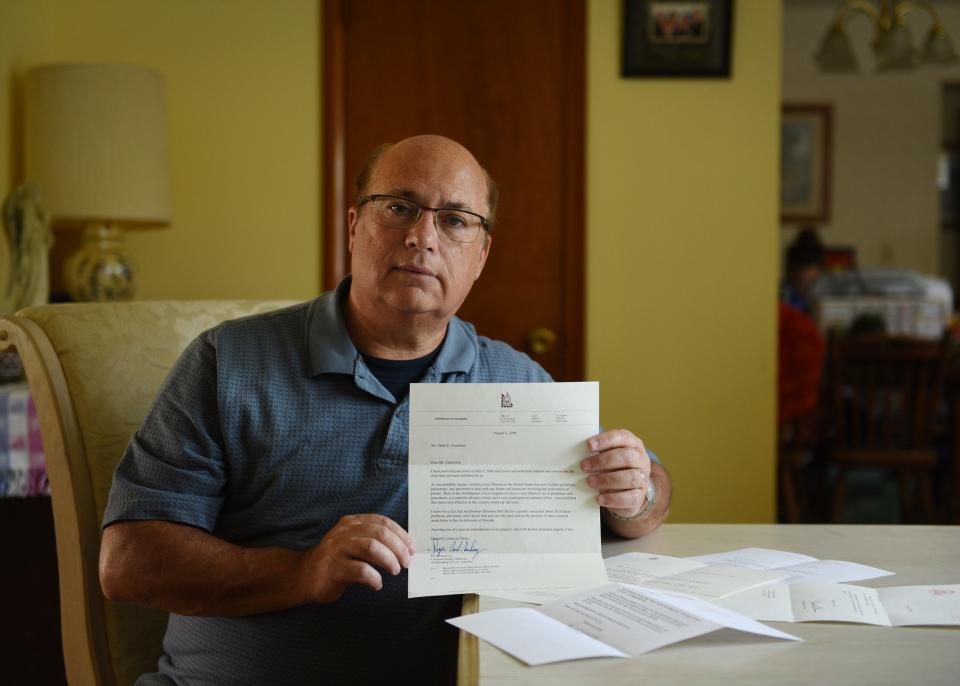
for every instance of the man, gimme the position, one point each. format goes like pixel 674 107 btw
pixel 263 502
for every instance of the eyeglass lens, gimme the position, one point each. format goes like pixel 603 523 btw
pixel 456 225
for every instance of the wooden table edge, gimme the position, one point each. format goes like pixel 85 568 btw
pixel 468 653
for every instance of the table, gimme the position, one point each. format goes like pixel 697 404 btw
pixel 832 653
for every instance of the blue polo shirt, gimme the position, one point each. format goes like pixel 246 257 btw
pixel 267 431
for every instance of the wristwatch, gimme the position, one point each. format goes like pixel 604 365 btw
pixel 648 503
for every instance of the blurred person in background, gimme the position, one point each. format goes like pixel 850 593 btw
pixel 801 345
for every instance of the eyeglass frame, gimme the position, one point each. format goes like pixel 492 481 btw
pixel 484 222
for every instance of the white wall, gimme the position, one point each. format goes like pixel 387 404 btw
pixel 886 138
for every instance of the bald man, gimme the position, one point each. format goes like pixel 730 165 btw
pixel 263 502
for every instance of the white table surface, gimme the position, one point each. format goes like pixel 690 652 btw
pixel 832 653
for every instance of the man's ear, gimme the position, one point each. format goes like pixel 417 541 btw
pixel 484 253
pixel 352 215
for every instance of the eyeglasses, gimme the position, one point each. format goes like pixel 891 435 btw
pixel 393 212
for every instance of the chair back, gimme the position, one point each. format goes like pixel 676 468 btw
pixel 94 370
pixel 885 392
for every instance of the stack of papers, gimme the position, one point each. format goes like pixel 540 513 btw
pixel 707 582
pixel 673 574
pixel 712 577
pixel 818 602
pixel 616 620
pixel 658 600
pixel 794 566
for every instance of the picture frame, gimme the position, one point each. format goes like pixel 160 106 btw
pixel 677 38
pixel 948 185
pixel 806 160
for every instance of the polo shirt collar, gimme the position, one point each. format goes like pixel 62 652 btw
pixel 332 350
pixel 460 348
pixel 328 341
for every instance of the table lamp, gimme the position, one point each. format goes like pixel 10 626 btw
pixel 96 146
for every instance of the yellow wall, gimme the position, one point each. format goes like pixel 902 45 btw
pixel 682 207
pixel 682 263
pixel 243 104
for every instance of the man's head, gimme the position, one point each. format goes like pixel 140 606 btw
pixel 417 269
pixel 804 261
pixel 362 182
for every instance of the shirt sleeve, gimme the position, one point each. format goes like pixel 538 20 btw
pixel 173 468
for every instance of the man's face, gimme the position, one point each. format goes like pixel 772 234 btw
pixel 415 270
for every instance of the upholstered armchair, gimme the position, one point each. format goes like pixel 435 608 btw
pixel 93 371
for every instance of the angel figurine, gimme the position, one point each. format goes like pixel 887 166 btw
pixel 24 250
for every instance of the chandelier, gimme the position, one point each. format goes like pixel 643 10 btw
pixel 892 42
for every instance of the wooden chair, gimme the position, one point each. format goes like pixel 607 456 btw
pixel 93 371
pixel 885 394
pixel 797 442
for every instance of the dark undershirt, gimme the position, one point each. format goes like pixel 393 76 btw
pixel 397 375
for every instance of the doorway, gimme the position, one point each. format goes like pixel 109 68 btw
pixel 506 79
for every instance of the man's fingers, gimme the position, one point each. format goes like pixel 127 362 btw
pixel 368 520
pixel 388 537
pixel 621 500
pixel 357 572
pixel 616 458
pixel 398 531
pixel 374 552
pixel 623 479
pixel 615 438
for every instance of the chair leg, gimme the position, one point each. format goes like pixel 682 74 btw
pixel 925 489
pixel 788 492
pixel 839 496
pixel 906 501
pixel 817 500
pixel 946 505
pixel 804 507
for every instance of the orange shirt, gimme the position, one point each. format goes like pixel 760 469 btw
pixel 800 363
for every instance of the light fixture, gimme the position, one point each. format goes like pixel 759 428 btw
pixel 892 42
pixel 96 145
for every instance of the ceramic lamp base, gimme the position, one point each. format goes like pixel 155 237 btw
pixel 99 270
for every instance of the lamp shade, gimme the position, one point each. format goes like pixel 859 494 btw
pixel 96 143
pixel 894 49
pixel 939 48
pixel 835 53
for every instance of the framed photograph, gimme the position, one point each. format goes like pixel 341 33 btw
pixel 677 38
pixel 805 162
pixel 948 183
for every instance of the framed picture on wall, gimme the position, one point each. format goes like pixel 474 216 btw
pixel 673 38
pixel 948 183
pixel 805 162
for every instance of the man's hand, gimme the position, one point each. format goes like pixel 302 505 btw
pixel 620 470
pixel 351 553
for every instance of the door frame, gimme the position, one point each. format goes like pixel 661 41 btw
pixel 335 262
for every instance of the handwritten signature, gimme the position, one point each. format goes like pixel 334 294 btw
pixel 439 546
